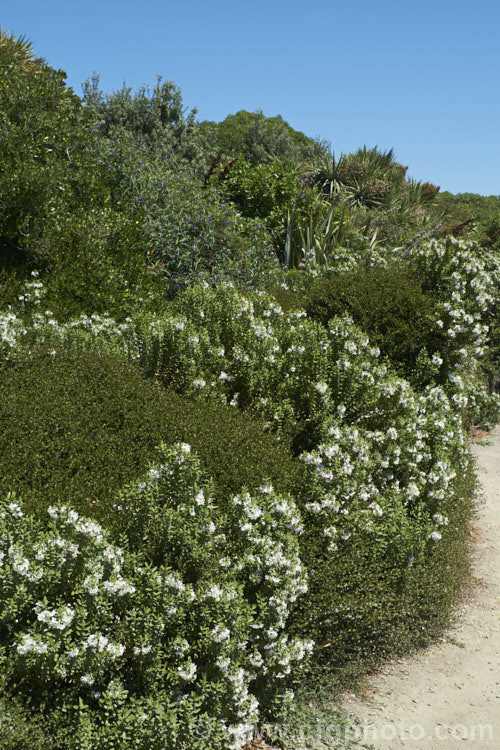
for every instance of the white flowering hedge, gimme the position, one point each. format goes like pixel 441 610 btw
pixel 179 634
pixel 187 629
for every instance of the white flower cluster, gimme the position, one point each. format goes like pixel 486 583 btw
pixel 57 619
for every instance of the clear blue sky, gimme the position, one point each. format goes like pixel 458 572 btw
pixel 419 77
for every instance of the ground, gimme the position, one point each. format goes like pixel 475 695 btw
pixel 449 695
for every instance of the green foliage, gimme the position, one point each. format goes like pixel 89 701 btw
pixel 189 230
pixel 56 213
pixel 318 239
pixel 268 192
pixel 157 118
pixel 475 216
pixel 260 139
pixel 385 204
pixel 76 426
pixel 388 303
pixel 105 199
pixel 91 625
pixel 42 136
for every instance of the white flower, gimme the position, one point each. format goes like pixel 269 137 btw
pixel 174 583
pixel 435 536
pixel 96 642
pixel 187 672
pixel 119 586
pixel 214 592
pixel 199 383
pixel 351 347
pixel 267 489
pixel 115 649
pixel 15 510
pixel 28 645
pixel 57 619
pixel 141 650
pixel 321 388
pixel 221 634
pixel 19 563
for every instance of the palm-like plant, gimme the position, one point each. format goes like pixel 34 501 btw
pixel 19 49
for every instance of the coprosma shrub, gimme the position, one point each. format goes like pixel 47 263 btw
pixel 387 303
pixel 76 426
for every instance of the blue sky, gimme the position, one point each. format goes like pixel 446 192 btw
pixel 419 77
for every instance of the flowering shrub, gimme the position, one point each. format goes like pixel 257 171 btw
pixel 467 279
pixel 385 464
pixel 193 620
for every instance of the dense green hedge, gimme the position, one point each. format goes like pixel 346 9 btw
pixel 74 428
pixel 388 303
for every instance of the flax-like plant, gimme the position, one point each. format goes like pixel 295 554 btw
pixel 327 228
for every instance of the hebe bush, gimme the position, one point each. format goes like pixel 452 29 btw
pixel 181 628
pixel 381 490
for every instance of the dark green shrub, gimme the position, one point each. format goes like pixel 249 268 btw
pixel 388 304
pixel 260 139
pixel 41 167
pixel 75 427
pixel 21 728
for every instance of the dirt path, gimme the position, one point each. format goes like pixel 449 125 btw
pixel 449 695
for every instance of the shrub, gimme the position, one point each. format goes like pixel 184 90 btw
pixel 260 139
pixel 269 193
pixel 190 233
pixel 383 463
pixel 176 636
pixel 41 168
pixel 76 426
pixel 387 303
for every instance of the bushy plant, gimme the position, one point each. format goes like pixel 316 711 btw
pixel 190 233
pixel 388 303
pixel 156 119
pixel 57 214
pixel 259 139
pixel 40 166
pixel 181 628
pixel 268 192
pixel 395 456
pixel 76 426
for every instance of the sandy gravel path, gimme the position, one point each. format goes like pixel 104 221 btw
pixel 449 695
